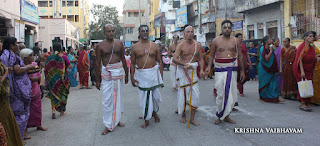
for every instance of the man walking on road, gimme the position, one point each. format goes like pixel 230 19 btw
pixel 110 74
pixel 226 50
pixel 189 52
pixel 146 74
pixel 173 66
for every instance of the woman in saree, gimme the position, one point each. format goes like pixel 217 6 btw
pixel 303 66
pixel 72 73
pixel 20 85
pixel 267 72
pixel 35 106
pixel 57 78
pixel 276 46
pixel 11 131
pixel 288 55
pixel 316 74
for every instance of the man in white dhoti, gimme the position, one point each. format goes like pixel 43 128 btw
pixel 225 52
pixel 146 74
pixel 173 66
pixel 187 56
pixel 110 76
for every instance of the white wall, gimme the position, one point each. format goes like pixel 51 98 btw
pixel 263 15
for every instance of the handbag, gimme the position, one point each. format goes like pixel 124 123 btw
pixel 305 88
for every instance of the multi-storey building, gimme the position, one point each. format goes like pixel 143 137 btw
pixel 76 11
pixel 131 19
pixel 20 19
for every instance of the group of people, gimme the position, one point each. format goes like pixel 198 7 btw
pixel 281 68
pixel 21 99
pixel 24 74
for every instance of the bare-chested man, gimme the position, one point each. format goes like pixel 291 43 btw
pixel 226 50
pixel 110 74
pixel 187 55
pixel 146 74
pixel 173 66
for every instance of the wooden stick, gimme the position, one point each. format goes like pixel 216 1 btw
pixel 190 98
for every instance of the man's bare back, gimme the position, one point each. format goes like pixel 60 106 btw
pixel 140 54
pixel 225 47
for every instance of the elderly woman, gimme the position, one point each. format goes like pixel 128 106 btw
pixel 267 72
pixel 57 78
pixel 20 85
pixel 304 64
pixel 35 107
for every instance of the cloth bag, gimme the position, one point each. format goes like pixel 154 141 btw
pixel 305 88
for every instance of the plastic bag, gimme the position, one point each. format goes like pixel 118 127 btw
pixel 305 88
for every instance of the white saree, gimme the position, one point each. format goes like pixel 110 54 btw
pixel 226 85
pixel 184 91
pixel 111 86
pixel 149 81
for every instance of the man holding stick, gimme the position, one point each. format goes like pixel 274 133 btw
pixel 187 55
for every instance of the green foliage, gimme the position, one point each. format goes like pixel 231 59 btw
pixel 103 15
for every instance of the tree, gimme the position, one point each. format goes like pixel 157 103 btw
pixel 103 15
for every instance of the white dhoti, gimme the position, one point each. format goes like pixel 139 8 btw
pixel 184 91
pixel 111 86
pixel 173 74
pixel 149 81
pixel 226 85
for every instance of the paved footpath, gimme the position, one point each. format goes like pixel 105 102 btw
pixel 83 123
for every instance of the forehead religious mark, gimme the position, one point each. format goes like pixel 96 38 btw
pixel 227 25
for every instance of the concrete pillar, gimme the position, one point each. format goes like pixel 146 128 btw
pixel 256 31
pixel 265 29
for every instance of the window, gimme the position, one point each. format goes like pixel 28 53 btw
pixel 251 31
pixel 70 3
pixel 64 16
pixel 76 3
pixel 70 17
pixel 272 29
pixel 136 14
pixel 142 14
pixel 130 14
pixel 129 30
pixel 63 3
pixel 50 3
pixel 76 18
pixel 43 3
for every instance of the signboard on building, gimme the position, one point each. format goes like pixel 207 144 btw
pixel 208 18
pixel 170 21
pixel 182 18
pixel 29 12
pixel 19 30
pixel 237 25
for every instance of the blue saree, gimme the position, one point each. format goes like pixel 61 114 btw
pixel 268 79
pixel 72 73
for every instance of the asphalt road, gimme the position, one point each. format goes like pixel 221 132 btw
pixel 83 123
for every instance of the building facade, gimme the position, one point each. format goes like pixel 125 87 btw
pixel 131 19
pixel 51 28
pixel 76 11
pixel 20 19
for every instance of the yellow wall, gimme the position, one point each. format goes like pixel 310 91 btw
pixel 154 4
pixel 83 14
pixel 218 26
